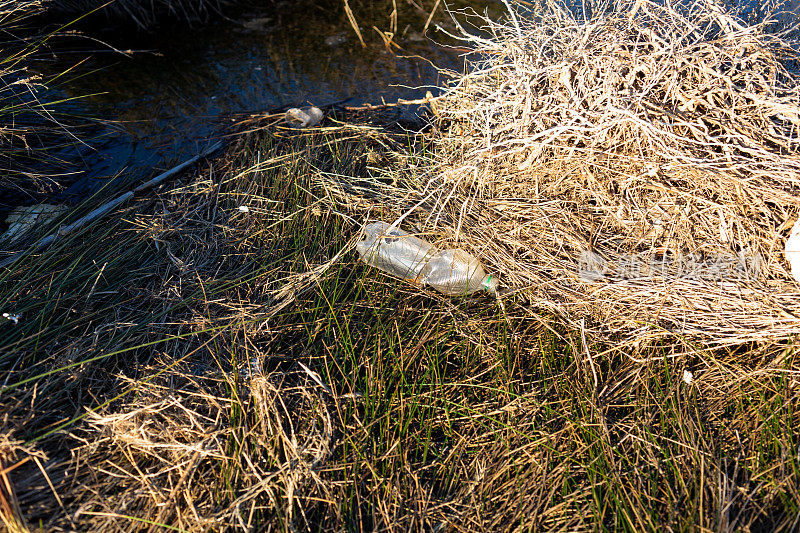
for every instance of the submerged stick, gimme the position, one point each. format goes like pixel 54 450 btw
pixel 111 204
pixel 429 99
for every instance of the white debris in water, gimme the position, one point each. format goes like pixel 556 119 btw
pixel 792 250
pixel 336 40
pixel 244 209
pixel 304 118
pixel 13 318
pixel 258 24
pixel 688 377
pixel 20 220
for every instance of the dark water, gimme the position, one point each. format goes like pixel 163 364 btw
pixel 182 84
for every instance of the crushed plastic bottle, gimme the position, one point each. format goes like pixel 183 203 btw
pixel 305 117
pixel 451 272
pixel 394 251
pixel 455 272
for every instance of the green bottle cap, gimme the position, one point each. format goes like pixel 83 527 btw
pixel 489 284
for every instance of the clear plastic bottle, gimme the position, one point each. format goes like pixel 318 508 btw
pixel 455 272
pixel 394 251
pixel 452 272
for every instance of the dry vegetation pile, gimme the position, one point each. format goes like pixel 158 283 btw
pixel 635 164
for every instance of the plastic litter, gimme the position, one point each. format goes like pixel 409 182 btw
pixel 336 40
pixel 451 272
pixel 792 250
pixel 455 272
pixel 394 251
pixel 21 220
pixel 304 118
pixel 258 24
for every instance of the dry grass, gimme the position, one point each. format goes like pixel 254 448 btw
pixel 189 365
pixel 638 168
pixel 194 367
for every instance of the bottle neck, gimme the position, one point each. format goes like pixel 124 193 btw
pixel 489 284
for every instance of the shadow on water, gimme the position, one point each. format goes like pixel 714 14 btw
pixel 167 91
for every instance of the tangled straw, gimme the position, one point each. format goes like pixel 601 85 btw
pixel 634 164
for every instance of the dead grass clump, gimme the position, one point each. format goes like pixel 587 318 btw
pixel 637 165
pixel 188 453
pixel 13 454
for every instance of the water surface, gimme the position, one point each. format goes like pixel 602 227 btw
pixel 169 90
